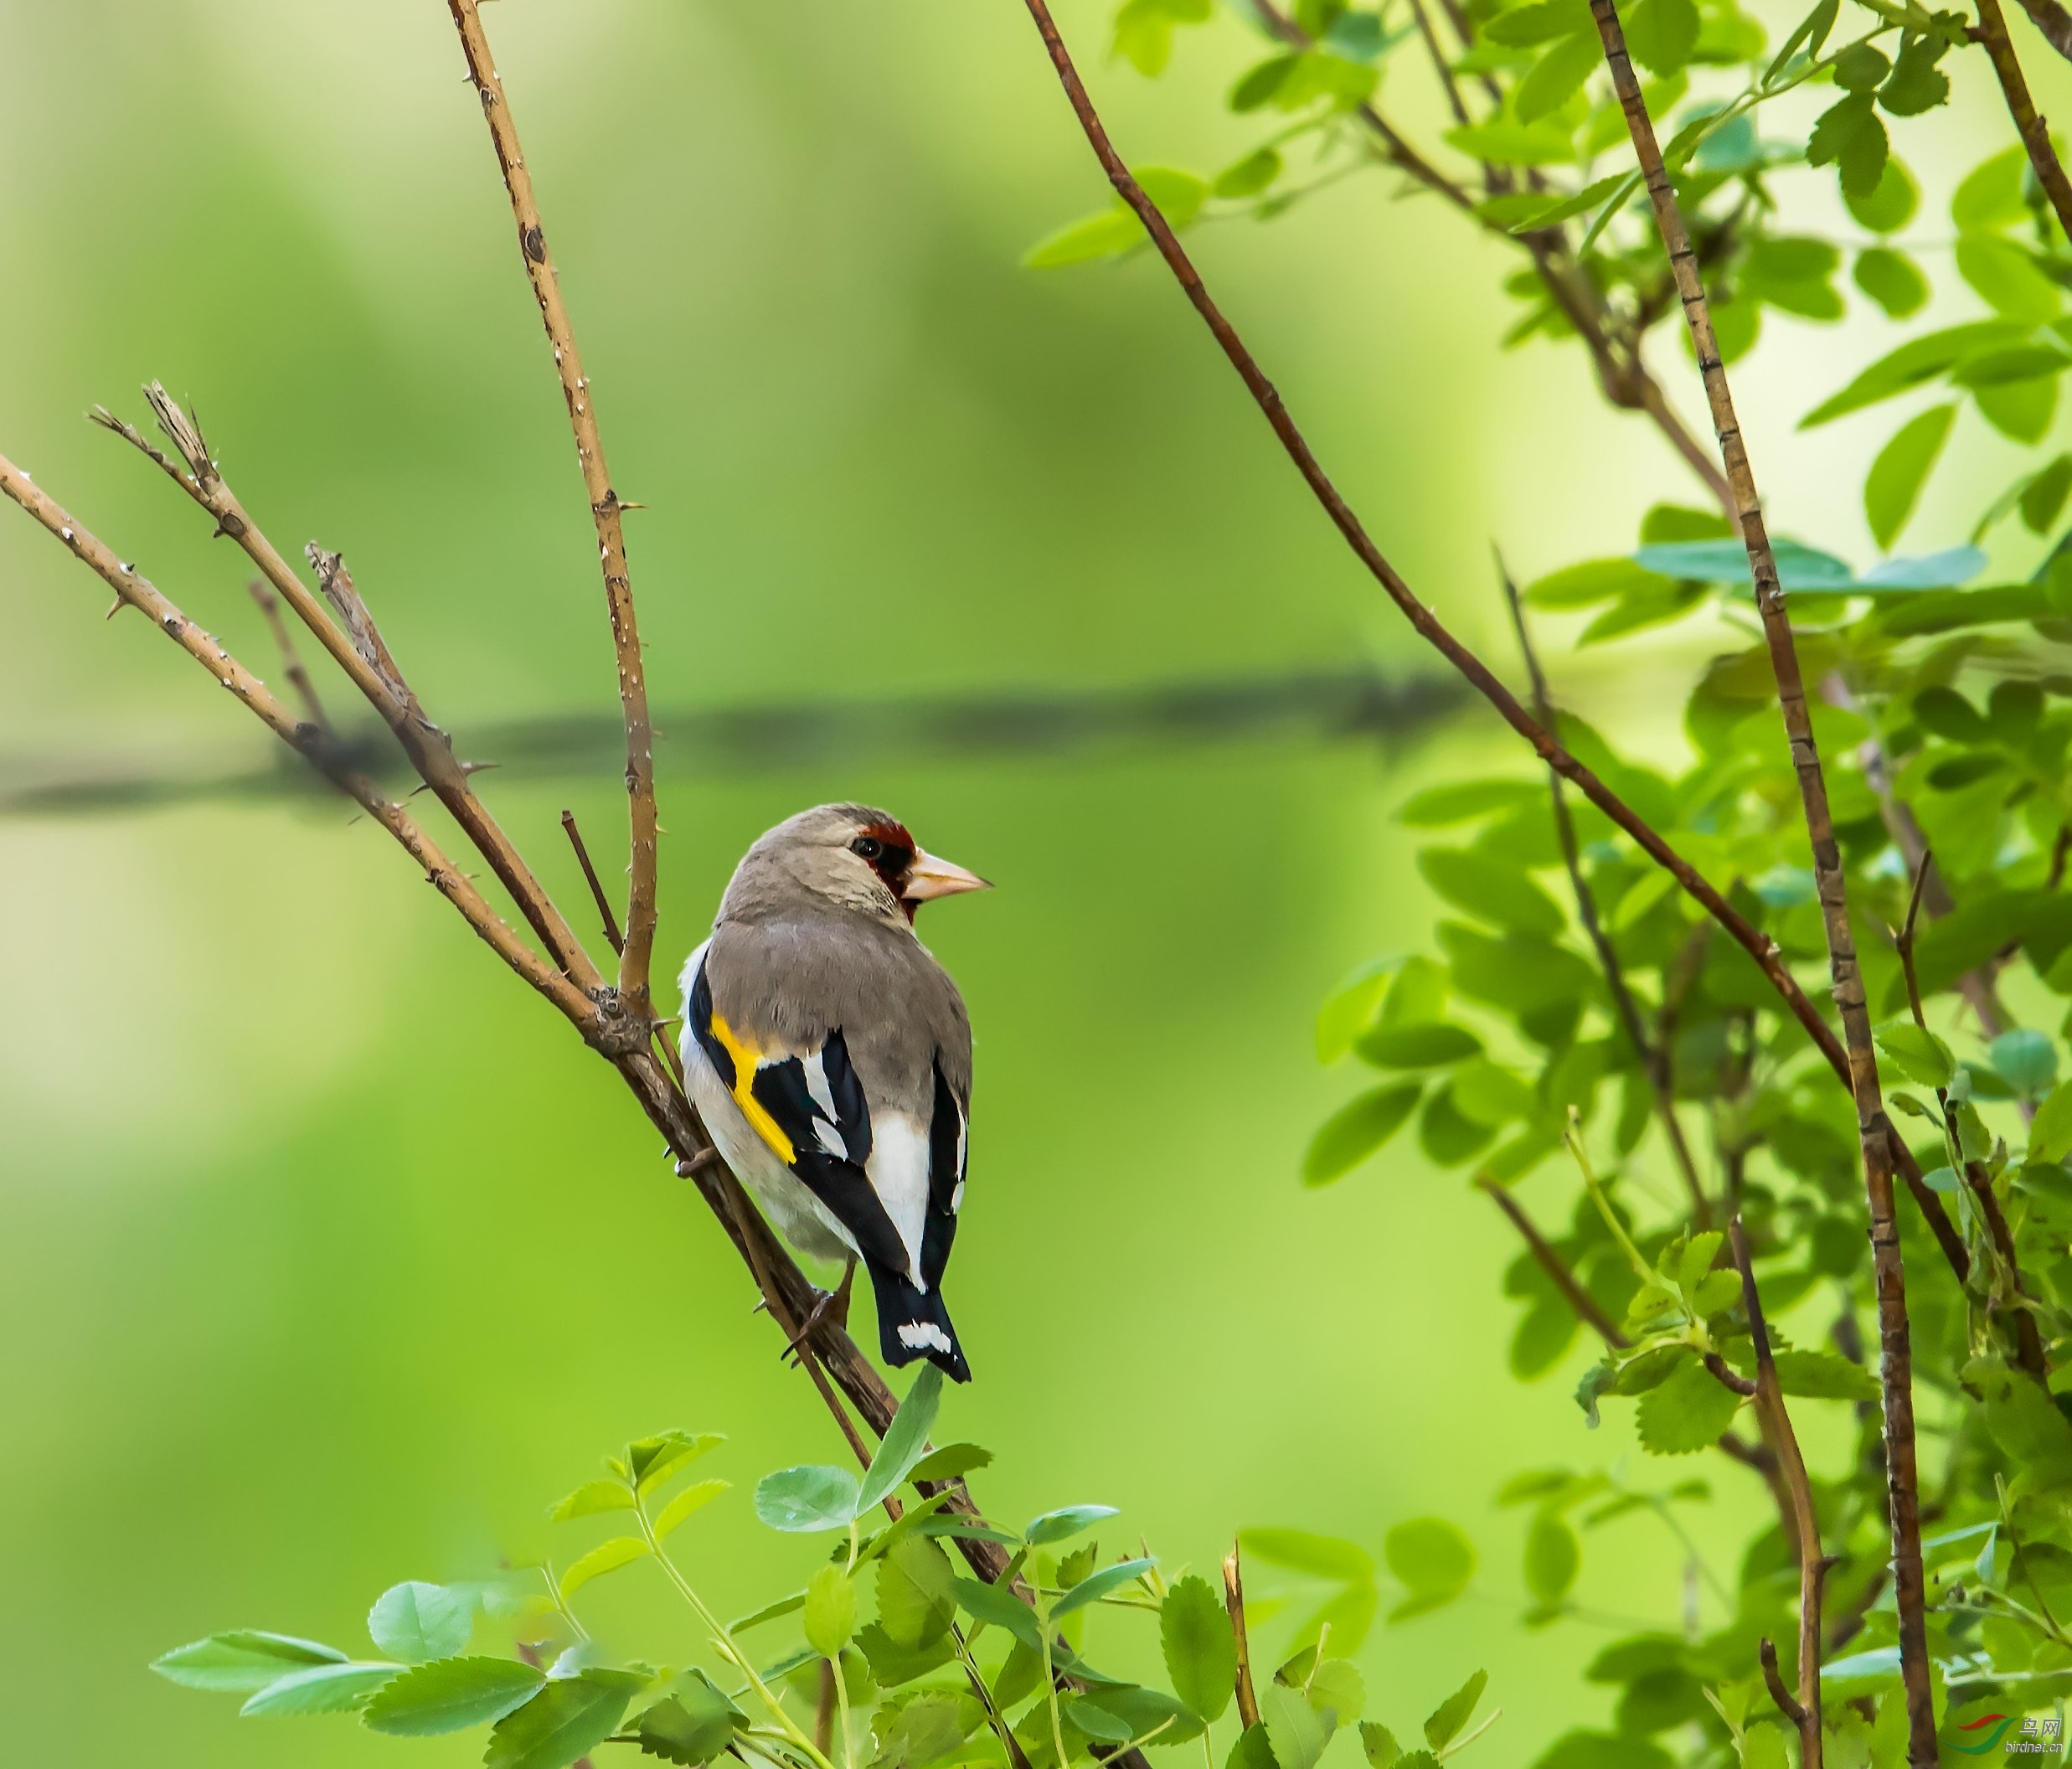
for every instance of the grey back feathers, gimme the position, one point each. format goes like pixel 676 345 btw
pixel 809 939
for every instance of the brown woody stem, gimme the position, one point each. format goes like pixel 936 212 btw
pixel 1586 1306
pixel 1873 1133
pixel 606 508
pixel 1234 1602
pixel 2035 133
pixel 616 939
pixel 1804 1713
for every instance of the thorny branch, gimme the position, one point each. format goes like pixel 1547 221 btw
pixel 606 509
pixel 1873 1134
pixel 1991 31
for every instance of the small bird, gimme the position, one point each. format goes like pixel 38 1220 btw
pixel 830 1057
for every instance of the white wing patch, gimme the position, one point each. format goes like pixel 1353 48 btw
pixel 898 1171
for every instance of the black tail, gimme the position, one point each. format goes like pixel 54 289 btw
pixel 914 1324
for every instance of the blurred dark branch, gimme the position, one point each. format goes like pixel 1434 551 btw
pixel 612 936
pixel 1653 1059
pixel 290 659
pixel 1354 702
pixel 1759 946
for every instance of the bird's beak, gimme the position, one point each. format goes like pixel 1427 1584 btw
pixel 929 877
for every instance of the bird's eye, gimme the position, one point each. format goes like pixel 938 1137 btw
pixel 868 847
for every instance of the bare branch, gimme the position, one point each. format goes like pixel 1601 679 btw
pixel 306 738
pixel 430 752
pixel 1873 1134
pixel 596 887
pixel 605 509
pixel 1586 1307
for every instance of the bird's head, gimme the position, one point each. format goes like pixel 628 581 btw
pixel 855 856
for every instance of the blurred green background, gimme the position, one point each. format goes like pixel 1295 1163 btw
pixel 327 1257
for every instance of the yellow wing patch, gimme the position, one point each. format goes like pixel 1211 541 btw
pixel 745 1060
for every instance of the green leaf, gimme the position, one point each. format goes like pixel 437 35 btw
pixel 1687 1413
pixel 1593 581
pixel 321 1688
pixel 1917 84
pixel 1917 360
pixel 1297 1730
pixel 1486 886
pixel 1350 1008
pixel 1553 1554
pixel 1432 1559
pixel 1991 196
pixel 916 1597
pixel 2020 409
pixel 2049 1133
pixel 1143 1711
pixel 1896 476
pixel 1506 141
pixel 1108 234
pixel 1438 808
pixel 1443 1726
pixel 592 1498
pixel 1355 1132
pixel 1824 1375
pixel 692 1499
pixel 569 1717
pixel 830 1609
pixel 952 1462
pixel 1850 137
pixel 1252 1751
pixel 905 1440
pixel 1200 1650
pixel 1860 67
pixel 1061 1525
pixel 1097 1585
pixel 1558 75
pixel 609 1556
pixel 1337 1690
pixel 1431 1045
pixel 692 1725
pixel 242 1660
pixel 1248 177
pixel 1662 34
pixel 923 1731
pixel 1920 1056
pixel 2027 1060
pixel 1303 1550
pixel 1891 278
pixel 1535 212
pixel 1000 1608
pixel 1890 206
pixel 1544 21
pixel 804 1500
pixel 654 1460
pixel 1380 1743
pixel 2008 279
pixel 2043 495
pixel 450 1695
pixel 1486 1093
pixel 417 1621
